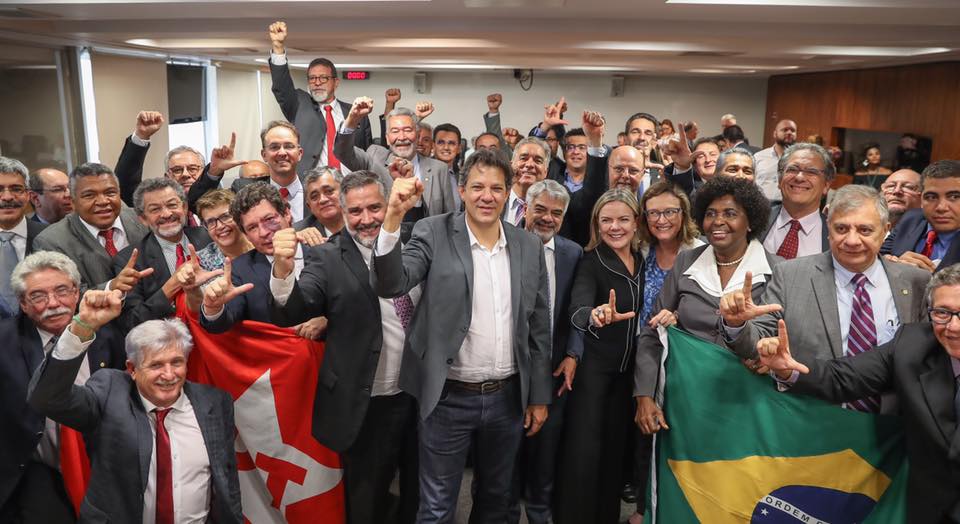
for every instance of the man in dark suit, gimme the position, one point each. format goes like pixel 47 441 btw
pixel 159 446
pixel 734 137
pixel 553 131
pixel 797 228
pixel 16 232
pixel 31 485
pixel 477 355
pixel 50 195
pixel 925 237
pixel 97 230
pixel 359 409
pixel 446 148
pixel 531 156
pixel 920 365
pixel 162 205
pixel 317 114
pixel 546 204
pixel 322 194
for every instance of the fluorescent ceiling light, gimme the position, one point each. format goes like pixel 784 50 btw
pixel 197 43
pixel 867 51
pixel 660 47
pixel 823 3
pixel 720 71
pixel 430 43
pixel 607 69
pixel 761 67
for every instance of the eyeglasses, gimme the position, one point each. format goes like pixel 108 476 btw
pixel 793 170
pixel 554 139
pixel 654 214
pixel 893 187
pixel 319 79
pixel 42 298
pixel 622 170
pixel 55 190
pixel 942 316
pixel 269 222
pixel 727 214
pixel 225 219
pixel 193 169
pixel 575 147
pixel 16 191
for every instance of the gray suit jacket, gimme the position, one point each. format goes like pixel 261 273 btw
pixel 439 256
pixel 70 237
pixel 109 413
pixel 806 289
pixel 437 193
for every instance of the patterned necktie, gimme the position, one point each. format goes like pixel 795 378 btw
pixel 521 211
pixel 791 242
pixel 164 471
pixel 863 334
pixel 403 305
pixel 285 193
pixel 8 261
pixel 928 245
pixel 108 244
pixel 332 160
pixel 180 256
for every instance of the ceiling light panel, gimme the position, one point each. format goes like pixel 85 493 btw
pixel 867 51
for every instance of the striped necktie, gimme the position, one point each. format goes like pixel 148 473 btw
pixel 863 334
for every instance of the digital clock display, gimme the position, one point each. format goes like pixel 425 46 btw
pixel 356 75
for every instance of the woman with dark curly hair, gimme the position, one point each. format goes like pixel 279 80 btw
pixel 732 213
pixel 869 172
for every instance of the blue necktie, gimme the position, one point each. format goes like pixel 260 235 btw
pixel 8 261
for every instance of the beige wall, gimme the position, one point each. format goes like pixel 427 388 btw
pixel 124 86
pixel 238 112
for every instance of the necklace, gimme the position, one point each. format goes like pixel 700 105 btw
pixel 731 263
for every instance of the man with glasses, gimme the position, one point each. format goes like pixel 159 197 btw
pixel 50 195
pixel 925 237
pixel 46 285
pixel 16 232
pixel 583 192
pixel 797 228
pixel 901 190
pixel 920 365
pixel 317 114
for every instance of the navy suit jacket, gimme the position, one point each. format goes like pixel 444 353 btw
pixel 566 256
pixel 905 237
pixel 22 425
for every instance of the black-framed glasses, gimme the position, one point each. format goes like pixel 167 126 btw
pixel 942 316
pixel 794 170
pixel 654 214
pixel 193 169
pixel 321 79
pixel 225 219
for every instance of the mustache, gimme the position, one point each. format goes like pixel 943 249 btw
pixel 403 142
pixel 363 228
pixel 62 310
pixel 10 204
pixel 164 383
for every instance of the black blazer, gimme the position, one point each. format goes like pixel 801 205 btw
pixel 22 425
pixel 566 259
pixel 336 284
pixel 917 368
pixel 129 169
pixel 600 271
pixel 299 107
pixel 905 237
pixel 33 229
pixel 824 235
pixel 110 414
pixel 146 300
pixel 576 222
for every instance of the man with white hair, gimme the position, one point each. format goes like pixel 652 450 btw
pixel 47 286
pixel 161 448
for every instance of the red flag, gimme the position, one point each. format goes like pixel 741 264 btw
pixel 285 474
pixel 74 465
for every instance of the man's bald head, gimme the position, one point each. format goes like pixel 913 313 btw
pixel 625 168
pixel 254 169
pixel 50 194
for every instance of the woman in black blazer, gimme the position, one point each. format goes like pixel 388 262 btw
pixel 599 409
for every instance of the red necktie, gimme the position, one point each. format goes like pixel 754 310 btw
pixel 164 471
pixel 108 244
pixel 332 160
pixel 180 258
pixel 285 193
pixel 791 242
pixel 928 246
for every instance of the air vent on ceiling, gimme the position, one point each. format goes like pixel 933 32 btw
pixel 20 13
pixel 708 54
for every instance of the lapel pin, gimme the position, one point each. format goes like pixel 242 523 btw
pixel 905 291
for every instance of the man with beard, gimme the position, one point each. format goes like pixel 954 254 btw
pixel 323 199
pixel 162 206
pixel 317 114
pixel 796 227
pixel 901 190
pixel 363 414
pixel 50 195
pixel 446 148
pixel 547 203
pixel 784 136
pixel 31 485
pixel 97 230
pixel 530 159
pixel 402 141
pixel 16 232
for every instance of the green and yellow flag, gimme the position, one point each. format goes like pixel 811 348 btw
pixel 740 451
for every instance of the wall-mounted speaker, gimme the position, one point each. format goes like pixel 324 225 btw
pixel 420 83
pixel 616 86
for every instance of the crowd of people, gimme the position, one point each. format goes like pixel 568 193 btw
pixel 496 308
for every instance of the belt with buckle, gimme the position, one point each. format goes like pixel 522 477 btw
pixel 488 386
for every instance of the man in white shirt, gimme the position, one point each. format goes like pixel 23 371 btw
pixel 784 136
pixel 184 468
pixel 797 228
pixel 363 414
pixel 531 158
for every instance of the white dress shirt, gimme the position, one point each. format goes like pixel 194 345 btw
pixel 885 317
pixel 513 204
pixel 765 173
pixel 119 234
pixel 810 234
pixel 386 381
pixel 19 238
pixel 704 271
pixel 549 254
pixel 487 351
pixel 296 197
pixel 49 446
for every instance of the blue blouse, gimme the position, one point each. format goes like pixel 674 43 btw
pixel 653 277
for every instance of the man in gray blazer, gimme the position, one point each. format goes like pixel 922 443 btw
pixel 97 230
pixel 160 447
pixel 402 138
pixel 477 352
pixel 819 297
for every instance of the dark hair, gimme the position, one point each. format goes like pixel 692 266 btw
pixel 733 134
pixel 688 229
pixel 323 62
pixel 449 128
pixel 668 122
pixel 941 169
pixel 89 169
pixel 151 185
pixel 577 131
pixel 358 179
pixel 274 124
pixel 704 140
pixel 250 197
pixel 645 116
pixel 486 158
pixel 744 192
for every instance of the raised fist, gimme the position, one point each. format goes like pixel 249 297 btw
pixel 148 123
pixel 424 109
pixel 362 106
pixel 493 102
pixel 278 34
pixel 392 95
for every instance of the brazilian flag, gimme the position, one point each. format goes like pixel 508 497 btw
pixel 740 451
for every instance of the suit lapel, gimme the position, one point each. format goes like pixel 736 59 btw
pixel 774 213
pixel 145 436
pixel 203 410
pixel 903 299
pixel 824 236
pixel 152 256
pixel 461 243
pixel 92 245
pixel 937 386
pixel 356 265
pixel 563 269
pixel 514 251
pixel 908 241
pixel 825 292
pixel 30 346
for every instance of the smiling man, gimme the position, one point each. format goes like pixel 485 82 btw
pixel 531 158
pixel 797 228
pixel 323 200
pixel 16 231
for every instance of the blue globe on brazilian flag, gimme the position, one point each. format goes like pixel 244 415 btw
pixel 740 451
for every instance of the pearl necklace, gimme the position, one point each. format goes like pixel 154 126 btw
pixel 731 263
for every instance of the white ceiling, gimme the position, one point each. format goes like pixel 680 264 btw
pixel 697 37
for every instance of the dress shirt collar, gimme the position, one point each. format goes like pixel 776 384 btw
pixel 45 337
pixel 501 242
pixel 95 231
pixel 551 245
pixel 944 239
pixel 181 405
pixel 807 223
pixel 20 229
pixel 167 245
pixel 874 273
pixel 294 187
pixel 704 272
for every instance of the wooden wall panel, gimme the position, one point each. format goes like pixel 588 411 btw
pixel 921 99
